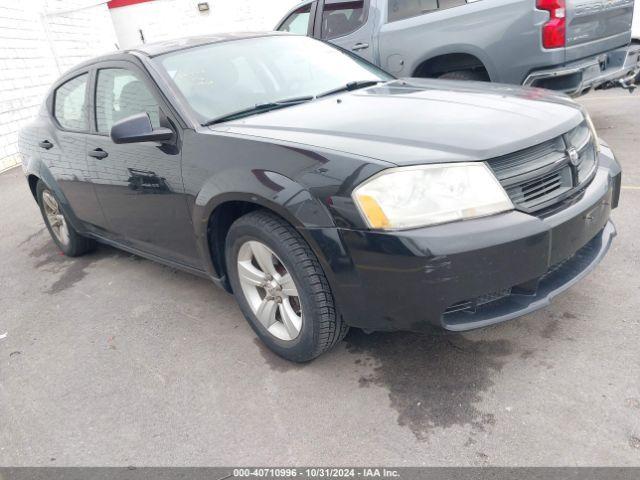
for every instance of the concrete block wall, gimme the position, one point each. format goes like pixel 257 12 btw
pixel 39 40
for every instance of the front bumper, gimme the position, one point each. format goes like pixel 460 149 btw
pixel 575 78
pixel 473 273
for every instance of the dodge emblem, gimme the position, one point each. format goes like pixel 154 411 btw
pixel 574 158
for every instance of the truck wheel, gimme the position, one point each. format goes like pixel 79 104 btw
pixel 464 75
pixel 281 287
pixel 63 234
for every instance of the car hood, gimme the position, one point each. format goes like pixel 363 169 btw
pixel 420 121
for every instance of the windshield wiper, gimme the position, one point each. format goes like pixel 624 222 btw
pixel 258 108
pixel 268 106
pixel 350 86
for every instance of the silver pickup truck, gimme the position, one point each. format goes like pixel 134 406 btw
pixel 567 45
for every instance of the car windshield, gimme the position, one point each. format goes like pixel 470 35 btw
pixel 220 79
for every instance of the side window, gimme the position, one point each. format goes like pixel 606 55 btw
pixel 298 21
pixel 120 94
pixel 339 18
pixel 70 102
pixel 401 9
pixel 444 4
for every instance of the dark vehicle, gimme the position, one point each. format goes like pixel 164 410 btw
pixel 321 191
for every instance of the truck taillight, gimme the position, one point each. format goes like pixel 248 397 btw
pixel 554 31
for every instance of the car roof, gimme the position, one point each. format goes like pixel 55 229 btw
pixel 168 46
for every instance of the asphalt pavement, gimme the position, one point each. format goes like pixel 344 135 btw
pixel 113 360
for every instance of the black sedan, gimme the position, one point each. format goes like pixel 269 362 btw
pixel 321 191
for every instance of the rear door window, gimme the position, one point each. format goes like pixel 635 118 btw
pixel 444 4
pixel 69 105
pixel 401 9
pixel 340 17
pixel 298 21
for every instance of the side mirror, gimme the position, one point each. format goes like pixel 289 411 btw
pixel 138 128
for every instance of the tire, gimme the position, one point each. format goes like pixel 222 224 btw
pixel 63 234
pixel 318 325
pixel 464 75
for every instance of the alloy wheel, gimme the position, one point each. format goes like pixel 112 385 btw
pixel 55 218
pixel 269 290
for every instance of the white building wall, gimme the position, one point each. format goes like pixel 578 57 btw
pixel 39 40
pixel 168 19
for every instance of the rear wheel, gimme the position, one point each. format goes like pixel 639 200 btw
pixel 464 75
pixel 281 287
pixel 63 234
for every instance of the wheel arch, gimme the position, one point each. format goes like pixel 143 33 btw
pixel 290 201
pixel 33 180
pixel 43 175
pixel 449 61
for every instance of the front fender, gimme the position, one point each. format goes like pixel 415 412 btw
pixel 263 187
pixel 267 189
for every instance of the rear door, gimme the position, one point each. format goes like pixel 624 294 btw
pixel 139 185
pixel 62 145
pixel 348 24
pixel 596 26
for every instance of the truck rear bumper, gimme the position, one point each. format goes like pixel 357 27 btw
pixel 575 78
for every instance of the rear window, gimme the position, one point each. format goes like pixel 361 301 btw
pixel 401 9
pixel 69 105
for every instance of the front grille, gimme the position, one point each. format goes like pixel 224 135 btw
pixel 540 190
pixel 537 177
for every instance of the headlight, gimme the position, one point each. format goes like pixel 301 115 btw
pixel 594 134
pixel 409 197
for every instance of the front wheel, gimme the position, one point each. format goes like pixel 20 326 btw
pixel 281 287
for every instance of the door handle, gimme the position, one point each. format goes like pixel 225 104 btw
pixel 46 144
pixel 98 153
pixel 360 46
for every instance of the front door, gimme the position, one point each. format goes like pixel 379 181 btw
pixel 139 185
pixel 348 24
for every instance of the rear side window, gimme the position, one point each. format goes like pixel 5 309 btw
pixel 120 94
pixel 298 21
pixel 340 18
pixel 401 9
pixel 69 106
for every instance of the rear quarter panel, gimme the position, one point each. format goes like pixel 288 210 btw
pixel 503 34
pixel 28 138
